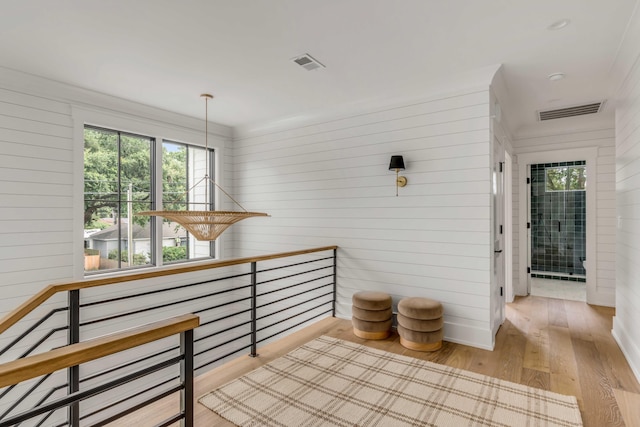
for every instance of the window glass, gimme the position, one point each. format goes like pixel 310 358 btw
pixel 565 178
pixel 183 188
pixel 118 182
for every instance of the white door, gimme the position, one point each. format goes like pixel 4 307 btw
pixel 497 297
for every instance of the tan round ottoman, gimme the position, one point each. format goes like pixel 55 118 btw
pixel 371 315
pixel 420 323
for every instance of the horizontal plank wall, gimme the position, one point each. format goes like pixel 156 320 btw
pixel 518 288
pixel 36 194
pixel 604 140
pixel 328 183
pixel 627 170
pixel 39 229
pixel 41 191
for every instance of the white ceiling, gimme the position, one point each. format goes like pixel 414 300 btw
pixel 164 53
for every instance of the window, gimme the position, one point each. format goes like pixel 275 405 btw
pixel 183 166
pixel 119 177
pixel 565 178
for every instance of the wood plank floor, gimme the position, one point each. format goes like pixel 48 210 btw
pixel 556 345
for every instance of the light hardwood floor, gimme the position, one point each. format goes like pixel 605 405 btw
pixel 557 345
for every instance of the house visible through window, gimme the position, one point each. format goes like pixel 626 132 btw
pixel 119 177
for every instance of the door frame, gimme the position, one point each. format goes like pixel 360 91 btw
pixel 590 156
pixel 508 228
pixel 499 238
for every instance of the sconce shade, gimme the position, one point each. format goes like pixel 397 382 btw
pixel 397 163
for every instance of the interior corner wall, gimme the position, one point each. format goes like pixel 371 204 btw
pixel 604 140
pixel 41 199
pixel 40 190
pixel 627 169
pixel 41 142
pixel 328 183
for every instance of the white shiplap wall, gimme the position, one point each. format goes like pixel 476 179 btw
pixel 518 288
pixel 328 183
pixel 40 156
pixel 36 193
pixel 41 145
pixel 627 170
pixel 604 140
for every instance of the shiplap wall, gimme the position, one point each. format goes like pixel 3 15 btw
pixel 36 195
pixel 39 228
pixel 627 169
pixel 604 140
pixel 518 288
pixel 328 183
pixel 41 190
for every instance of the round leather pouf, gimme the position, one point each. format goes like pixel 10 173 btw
pixel 420 308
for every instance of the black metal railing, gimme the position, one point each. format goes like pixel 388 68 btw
pixel 68 356
pixel 241 304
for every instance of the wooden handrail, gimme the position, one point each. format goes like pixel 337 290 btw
pixel 75 354
pixel 32 303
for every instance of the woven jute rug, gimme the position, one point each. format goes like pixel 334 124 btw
pixel 331 382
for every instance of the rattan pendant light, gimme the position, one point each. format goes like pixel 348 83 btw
pixel 205 224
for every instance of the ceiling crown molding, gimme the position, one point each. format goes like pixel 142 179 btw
pixel 475 80
pixel 628 55
pixel 88 99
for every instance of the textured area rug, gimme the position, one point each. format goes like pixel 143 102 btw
pixel 331 382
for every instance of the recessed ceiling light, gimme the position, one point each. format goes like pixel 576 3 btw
pixel 558 25
pixel 555 76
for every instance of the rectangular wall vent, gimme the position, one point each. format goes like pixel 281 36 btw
pixel 578 110
pixel 308 62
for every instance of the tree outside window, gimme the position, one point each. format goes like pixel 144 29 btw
pixel 566 178
pixel 118 182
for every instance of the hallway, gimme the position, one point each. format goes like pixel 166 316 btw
pixel 562 346
pixel 559 289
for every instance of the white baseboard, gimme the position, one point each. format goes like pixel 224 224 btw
pixel 454 332
pixel 605 299
pixel 630 351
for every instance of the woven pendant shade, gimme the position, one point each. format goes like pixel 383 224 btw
pixel 204 225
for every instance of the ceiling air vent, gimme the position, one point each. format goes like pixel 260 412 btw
pixel 578 110
pixel 308 62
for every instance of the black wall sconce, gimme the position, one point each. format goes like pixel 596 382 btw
pixel 397 163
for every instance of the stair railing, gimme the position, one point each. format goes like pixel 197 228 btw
pixel 241 303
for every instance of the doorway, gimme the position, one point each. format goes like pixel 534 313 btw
pixel 587 259
pixel 498 202
pixel 557 215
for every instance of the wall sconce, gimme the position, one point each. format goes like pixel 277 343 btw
pixel 397 163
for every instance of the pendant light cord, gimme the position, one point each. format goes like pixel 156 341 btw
pixel 206 177
pixel 206 151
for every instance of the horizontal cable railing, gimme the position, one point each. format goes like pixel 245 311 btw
pixel 74 355
pixel 241 303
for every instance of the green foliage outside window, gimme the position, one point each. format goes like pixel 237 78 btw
pixel 174 253
pixel 101 164
pixel 169 254
pixel 118 177
pixel 566 178
pixel 138 259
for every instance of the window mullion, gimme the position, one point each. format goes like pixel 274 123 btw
pixel 157 199
pixel 119 203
